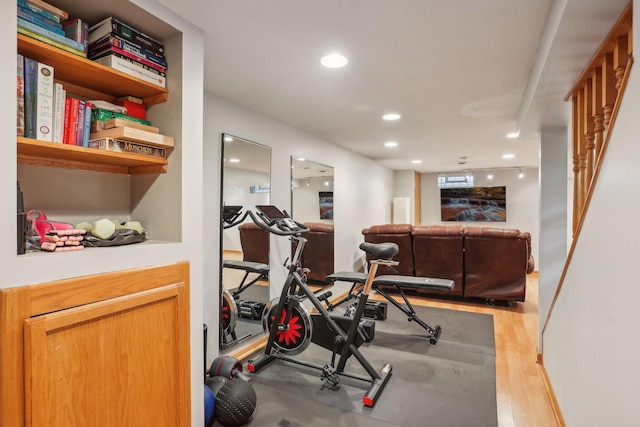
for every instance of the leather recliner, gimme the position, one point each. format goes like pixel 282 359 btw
pixel 438 251
pixel 496 263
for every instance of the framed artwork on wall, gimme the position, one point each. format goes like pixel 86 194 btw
pixel 474 204
pixel 326 204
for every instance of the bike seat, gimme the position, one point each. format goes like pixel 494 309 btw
pixel 380 250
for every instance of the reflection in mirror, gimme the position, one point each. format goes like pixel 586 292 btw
pixel 246 180
pixel 312 204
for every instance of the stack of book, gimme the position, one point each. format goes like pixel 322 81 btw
pixel 128 136
pixel 49 24
pixel 44 110
pixel 120 46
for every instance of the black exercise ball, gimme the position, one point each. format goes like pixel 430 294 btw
pixel 235 402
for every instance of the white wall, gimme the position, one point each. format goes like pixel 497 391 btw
pixel 590 349
pixel 306 201
pixel 554 205
pixel 237 183
pixel 359 202
pixel 522 200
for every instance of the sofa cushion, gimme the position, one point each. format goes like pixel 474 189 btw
pixel 495 263
pixel 438 253
pixel 399 234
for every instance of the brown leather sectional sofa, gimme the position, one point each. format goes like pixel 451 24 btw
pixel 488 263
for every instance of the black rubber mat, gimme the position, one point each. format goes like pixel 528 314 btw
pixel 450 384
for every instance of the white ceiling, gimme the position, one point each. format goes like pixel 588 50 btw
pixel 462 73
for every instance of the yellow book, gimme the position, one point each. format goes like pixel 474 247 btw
pixel 116 122
pixel 47 40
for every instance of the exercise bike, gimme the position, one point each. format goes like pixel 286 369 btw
pixel 292 328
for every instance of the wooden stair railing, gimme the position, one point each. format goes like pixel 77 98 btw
pixel 596 97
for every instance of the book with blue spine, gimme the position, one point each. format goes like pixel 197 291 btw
pixel 87 124
pixel 49 34
pixel 63 14
pixel 82 109
pixel 30 94
pixel 40 20
pixel 36 9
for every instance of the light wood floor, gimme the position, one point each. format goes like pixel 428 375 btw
pixel 520 390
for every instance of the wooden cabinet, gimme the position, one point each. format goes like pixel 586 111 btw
pixel 104 350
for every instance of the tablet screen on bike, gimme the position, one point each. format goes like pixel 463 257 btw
pixel 230 212
pixel 271 212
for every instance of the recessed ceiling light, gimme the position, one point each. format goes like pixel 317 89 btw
pixel 391 144
pixel 391 116
pixel 334 60
pixel 417 161
pixel 513 135
pixel 508 156
pixel 490 176
pixel 234 160
pixel 228 139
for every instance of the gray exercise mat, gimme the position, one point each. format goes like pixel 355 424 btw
pixel 450 384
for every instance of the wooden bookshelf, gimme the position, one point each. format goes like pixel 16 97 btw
pixel 43 153
pixel 88 78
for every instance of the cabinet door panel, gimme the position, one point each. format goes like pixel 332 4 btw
pixel 114 362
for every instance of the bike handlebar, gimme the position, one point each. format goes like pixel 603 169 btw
pixel 278 226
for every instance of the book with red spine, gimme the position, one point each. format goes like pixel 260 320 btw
pixel 73 121
pixel 67 116
pixel 115 50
